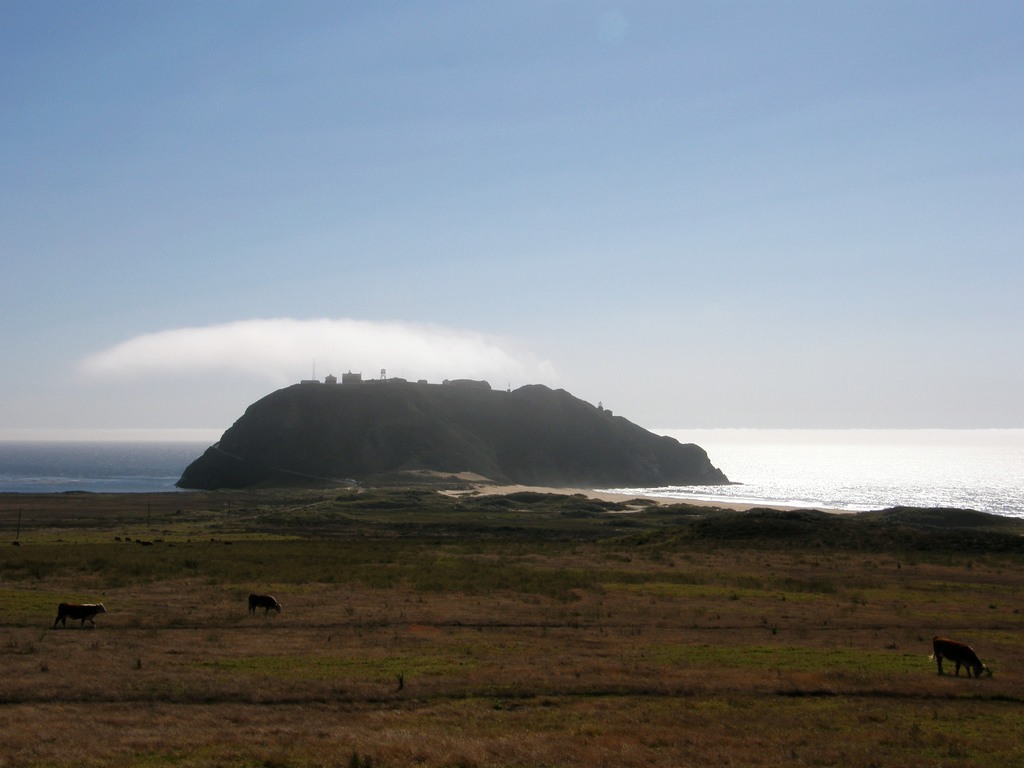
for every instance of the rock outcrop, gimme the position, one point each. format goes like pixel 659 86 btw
pixel 315 433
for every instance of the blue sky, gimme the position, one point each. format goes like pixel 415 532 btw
pixel 701 214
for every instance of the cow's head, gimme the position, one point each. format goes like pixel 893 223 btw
pixel 979 668
pixel 100 608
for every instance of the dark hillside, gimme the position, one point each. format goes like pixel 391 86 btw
pixel 312 433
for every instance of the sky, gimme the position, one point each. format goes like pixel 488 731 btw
pixel 713 214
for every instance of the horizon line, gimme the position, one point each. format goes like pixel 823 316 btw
pixel 112 435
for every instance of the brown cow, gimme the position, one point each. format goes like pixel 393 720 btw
pixel 960 654
pixel 84 612
pixel 266 602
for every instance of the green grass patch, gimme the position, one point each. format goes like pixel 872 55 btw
pixel 30 606
pixel 685 591
pixel 380 564
pixel 314 667
pixel 787 658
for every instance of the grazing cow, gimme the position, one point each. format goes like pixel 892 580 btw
pixel 83 612
pixel 960 654
pixel 266 602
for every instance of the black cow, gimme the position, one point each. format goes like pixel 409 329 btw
pixel 266 602
pixel 81 611
pixel 960 654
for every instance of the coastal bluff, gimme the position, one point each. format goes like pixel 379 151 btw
pixel 325 433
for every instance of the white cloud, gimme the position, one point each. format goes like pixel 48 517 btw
pixel 282 350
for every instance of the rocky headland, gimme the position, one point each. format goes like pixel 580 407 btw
pixel 326 433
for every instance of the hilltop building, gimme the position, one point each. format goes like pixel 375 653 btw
pixel 357 378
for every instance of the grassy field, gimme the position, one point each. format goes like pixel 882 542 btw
pixel 526 630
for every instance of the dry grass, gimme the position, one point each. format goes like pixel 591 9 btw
pixel 634 656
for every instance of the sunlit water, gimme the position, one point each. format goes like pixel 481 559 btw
pixel 858 470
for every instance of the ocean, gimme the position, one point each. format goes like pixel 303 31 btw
pixel 851 470
pixel 97 467
pixel 858 470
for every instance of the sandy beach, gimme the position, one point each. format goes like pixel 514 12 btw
pixel 492 489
